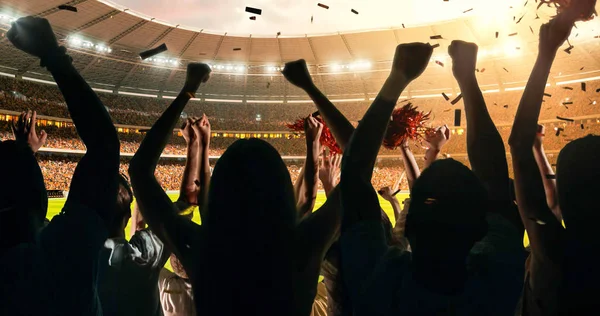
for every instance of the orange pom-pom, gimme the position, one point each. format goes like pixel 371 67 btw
pixel 586 8
pixel 326 139
pixel 406 123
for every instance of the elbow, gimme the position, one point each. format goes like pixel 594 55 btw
pixel 137 168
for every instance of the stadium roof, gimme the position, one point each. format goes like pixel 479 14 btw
pixel 506 58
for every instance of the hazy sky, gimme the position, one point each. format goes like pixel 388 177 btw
pixel 293 17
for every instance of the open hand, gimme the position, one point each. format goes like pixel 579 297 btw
pixel 197 73
pixel 202 129
pixel 464 58
pixel 296 72
pixel 33 35
pixel 329 170
pixel 387 194
pixel 411 59
pixel 312 129
pixel 438 138
pixel 554 33
pixel 24 131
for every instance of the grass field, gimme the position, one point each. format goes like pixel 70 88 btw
pixel 56 205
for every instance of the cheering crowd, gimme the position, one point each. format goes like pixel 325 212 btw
pixel 454 247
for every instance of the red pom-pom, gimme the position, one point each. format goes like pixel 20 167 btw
pixel 586 8
pixel 326 139
pixel 406 123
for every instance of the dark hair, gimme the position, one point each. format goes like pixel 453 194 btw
pixel 250 229
pixel 448 196
pixel 122 211
pixel 23 197
pixel 23 183
pixel 577 174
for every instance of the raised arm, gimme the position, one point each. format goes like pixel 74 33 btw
pixel 362 240
pixel 329 172
pixel 387 194
pixel 543 229
pixel 410 164
pixel 547 173
pixel 435 141
pixel 94 182
pixel 155 205
pixel 484 144
pixel 297 73
pixel 529 187
pixel 189 187
pixel 309 187
pixel 203 130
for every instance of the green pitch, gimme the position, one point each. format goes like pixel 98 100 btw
pixel 56 205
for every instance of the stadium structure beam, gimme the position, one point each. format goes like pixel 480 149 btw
pixel 219 47
pixel 96 21
pixel 312 50
pixel 127 31
pixel 279 48
pixel 88 66
pixel 154 42
pixel 32 64
pixel 161 36
pixel 364 84
pixel 247 61
pixel 183 50
pixel 56 9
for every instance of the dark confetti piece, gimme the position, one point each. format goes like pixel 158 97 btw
pixel 354 11
pixel 583 86
pixel 152 52
pixel 548 95
pixel 458 98
pixel 445 97
pixel 254 10
pixel 435 37
pixel 568 88
pixel 565 119
pixel 439 63
pixel 324 6
pixel 67 8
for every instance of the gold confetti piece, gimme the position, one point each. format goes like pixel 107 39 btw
pixel 430 201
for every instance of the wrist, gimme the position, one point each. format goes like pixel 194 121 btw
pixel 55 58
pixel 466 78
